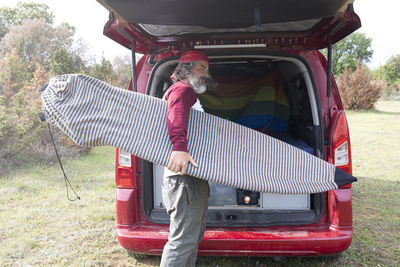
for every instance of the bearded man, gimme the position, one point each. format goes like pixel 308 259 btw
pixel 185 197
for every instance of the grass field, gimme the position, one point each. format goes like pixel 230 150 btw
pixel 39 226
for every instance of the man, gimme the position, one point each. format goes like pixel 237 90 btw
pixel 185 197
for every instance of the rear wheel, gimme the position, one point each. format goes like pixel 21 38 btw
pixel 137 256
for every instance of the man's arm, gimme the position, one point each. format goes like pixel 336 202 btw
pixel 180 100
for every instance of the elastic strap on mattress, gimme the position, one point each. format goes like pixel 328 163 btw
pixel 67 182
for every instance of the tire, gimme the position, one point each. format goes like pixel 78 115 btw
pixel 137 256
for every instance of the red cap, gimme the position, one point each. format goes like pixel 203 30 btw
pixel 193 55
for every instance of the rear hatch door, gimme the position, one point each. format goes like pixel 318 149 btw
pixel 176 25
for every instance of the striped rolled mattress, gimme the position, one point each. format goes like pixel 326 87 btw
pixel 94 113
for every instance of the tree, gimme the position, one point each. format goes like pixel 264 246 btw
pixel 391 70
pixel 103 71
pixel 62 63
pixel 20 126
pixel 347 52
pixel 30 50
pixel 122 68
pixel 36 41
pixel 14 75
pixel 14 16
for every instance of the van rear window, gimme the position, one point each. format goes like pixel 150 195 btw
pixel 167 30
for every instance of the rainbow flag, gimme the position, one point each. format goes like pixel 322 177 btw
pixel 254 102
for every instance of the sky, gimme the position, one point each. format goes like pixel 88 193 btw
pixel 379 22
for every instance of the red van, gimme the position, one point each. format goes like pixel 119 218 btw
pixel 268 47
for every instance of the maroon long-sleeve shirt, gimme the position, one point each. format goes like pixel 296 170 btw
pixel 180 98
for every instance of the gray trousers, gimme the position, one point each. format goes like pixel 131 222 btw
pixel 186 200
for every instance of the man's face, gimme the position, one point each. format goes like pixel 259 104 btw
pixel 200 78
pixel 200 69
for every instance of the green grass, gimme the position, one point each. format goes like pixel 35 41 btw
pixel 39 226
pixel 375 140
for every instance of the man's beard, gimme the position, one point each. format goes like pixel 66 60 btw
pixel 200 85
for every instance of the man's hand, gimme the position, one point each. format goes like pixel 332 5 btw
pixel 179 160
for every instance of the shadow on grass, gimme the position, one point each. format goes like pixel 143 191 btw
pixel 386 112
pixel 205 261
pixel 267 261
pixel 374 111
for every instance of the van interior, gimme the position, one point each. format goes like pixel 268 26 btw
pixel 272 94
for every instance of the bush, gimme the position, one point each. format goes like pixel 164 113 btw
pixel 391 92
pixel 358 90
pixel 24 139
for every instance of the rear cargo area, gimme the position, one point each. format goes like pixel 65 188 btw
pixel 272 94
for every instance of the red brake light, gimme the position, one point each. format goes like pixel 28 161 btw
pixel 341 151
pixel 123 170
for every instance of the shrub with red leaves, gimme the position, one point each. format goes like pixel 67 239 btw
pixel 359 91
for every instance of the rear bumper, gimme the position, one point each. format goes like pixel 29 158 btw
pixel 136 234
pixel 245 242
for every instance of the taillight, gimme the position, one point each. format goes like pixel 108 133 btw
pixel 124 159
pixel 123 170
pixel 341 155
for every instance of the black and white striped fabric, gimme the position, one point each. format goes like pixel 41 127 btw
pixel 94 113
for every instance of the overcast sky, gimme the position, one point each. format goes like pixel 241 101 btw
pixel 379 21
